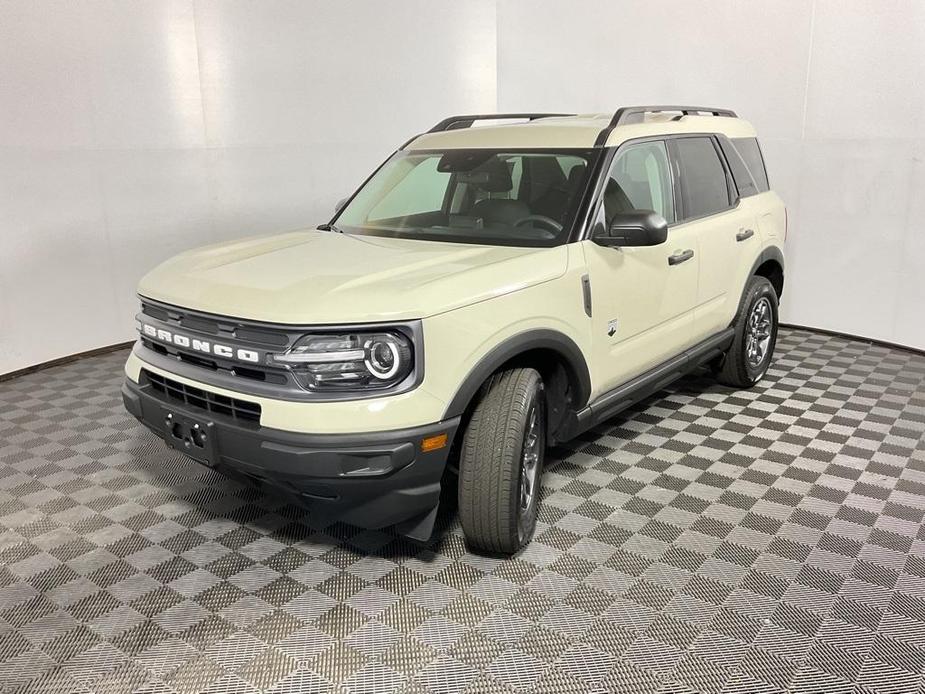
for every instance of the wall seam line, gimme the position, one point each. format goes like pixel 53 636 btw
pixel 809 68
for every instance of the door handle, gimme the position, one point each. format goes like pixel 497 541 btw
pixel 679 257
pixel 744 234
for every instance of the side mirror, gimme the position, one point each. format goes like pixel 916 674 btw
pixel 339 205
pixel 636 228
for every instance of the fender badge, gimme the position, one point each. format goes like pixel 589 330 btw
pixel 612 327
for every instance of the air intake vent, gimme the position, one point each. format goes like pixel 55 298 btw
pixel 170 390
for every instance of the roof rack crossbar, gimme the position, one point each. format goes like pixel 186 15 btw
pixel 635 114
pixel 466 121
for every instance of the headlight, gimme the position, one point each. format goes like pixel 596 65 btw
pixel 353 361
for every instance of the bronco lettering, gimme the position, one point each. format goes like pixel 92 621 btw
pixel 200 345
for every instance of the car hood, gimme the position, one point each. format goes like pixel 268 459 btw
pixel 314 277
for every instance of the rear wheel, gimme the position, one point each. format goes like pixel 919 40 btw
pixel 748 358
pixel 501 462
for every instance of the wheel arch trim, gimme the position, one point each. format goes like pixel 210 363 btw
pixel 768 253
pixel 572 357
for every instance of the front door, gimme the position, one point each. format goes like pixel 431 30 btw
pixel 642 297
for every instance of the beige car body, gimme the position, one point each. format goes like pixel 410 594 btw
pixel 473 298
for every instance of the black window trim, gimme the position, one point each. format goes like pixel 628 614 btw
pixel 764 163
pixel 586 219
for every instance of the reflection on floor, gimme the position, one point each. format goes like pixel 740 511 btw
pixel 709 540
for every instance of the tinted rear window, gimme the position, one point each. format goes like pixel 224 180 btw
pixel 748 148
pixel 702 177
pixel 745 182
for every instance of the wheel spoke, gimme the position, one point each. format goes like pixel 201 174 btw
pixel 529 461
pixel 759 328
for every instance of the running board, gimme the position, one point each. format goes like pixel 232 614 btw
pixel 615 401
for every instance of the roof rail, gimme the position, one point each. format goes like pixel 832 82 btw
pixel 636 114
pixel 466 121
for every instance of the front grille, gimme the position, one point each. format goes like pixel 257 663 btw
pixel 215 325
pixel 241 410
pixel 228 331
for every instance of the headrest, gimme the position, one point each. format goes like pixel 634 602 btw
pixel 492 176
pixel 575 174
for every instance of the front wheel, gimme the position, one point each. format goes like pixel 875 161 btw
pixel 748 358
pixel 501 462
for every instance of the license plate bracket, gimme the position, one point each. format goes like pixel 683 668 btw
pixel 189 435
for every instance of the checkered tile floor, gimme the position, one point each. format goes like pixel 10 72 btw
pixel 708 541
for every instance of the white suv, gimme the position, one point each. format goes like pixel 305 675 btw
pixel 486 292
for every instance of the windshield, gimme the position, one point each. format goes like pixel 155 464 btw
pixel 497 197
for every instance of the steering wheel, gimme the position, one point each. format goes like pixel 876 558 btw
pixel 542 219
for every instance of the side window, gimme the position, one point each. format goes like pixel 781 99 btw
pixel 421 190
pixel 748 148
pixel 745 182
pixel 639 179
pixel 701 177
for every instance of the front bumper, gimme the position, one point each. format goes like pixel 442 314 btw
pixel 372 480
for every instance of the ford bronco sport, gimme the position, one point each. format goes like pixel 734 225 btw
pixel 487 292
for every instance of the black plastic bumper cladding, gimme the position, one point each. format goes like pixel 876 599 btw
pixel 372 480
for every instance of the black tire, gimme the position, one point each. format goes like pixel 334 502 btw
pixel 738 368
pixel 490 462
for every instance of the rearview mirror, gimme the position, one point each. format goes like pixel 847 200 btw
pixel 636 228
pixel 339 205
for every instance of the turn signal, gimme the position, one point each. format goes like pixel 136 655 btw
pixel 433 443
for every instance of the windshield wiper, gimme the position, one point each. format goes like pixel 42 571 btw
pixel 329 227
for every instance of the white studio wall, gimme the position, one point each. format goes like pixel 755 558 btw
pixel 132 131
pixel 836 90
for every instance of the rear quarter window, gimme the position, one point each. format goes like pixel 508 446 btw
pixel 748 149
pixel 744 181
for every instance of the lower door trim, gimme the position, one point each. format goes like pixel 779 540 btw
pixel 614 401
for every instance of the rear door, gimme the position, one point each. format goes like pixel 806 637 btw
pixel 725 230
pixel 746 162
pixel 642 297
